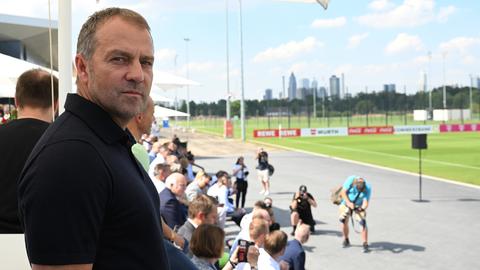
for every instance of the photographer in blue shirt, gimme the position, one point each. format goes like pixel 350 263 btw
pixel 356 194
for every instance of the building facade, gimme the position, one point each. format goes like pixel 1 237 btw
pixel 334 86
pixel 292 87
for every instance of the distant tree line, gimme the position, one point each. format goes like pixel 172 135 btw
pixel 361 103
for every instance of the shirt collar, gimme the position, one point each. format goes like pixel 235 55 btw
pixel 98 120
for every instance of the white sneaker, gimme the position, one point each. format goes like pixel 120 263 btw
pixel 266 193
pixel 262 191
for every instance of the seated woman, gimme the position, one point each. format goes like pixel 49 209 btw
pixel 207 246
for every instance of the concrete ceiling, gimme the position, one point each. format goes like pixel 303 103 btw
pixel 33 34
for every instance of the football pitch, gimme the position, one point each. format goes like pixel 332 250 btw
pixel 453 156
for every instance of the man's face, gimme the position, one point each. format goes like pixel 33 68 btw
pixel 211 218
pixel 179 187
pixel 118 77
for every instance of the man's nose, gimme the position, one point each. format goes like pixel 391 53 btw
pixel 136 72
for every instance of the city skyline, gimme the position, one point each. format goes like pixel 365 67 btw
pixel 372 43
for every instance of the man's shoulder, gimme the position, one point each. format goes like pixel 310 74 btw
pixel 187 227
pixel 166 195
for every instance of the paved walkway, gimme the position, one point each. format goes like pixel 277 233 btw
pixel 441 233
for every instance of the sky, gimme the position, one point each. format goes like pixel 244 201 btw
pixel 372 42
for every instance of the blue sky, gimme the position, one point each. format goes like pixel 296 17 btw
pixel 372 42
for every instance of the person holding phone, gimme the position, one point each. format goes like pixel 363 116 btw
pixel 207 247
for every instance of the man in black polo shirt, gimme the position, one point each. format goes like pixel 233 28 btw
pixel 33 99
pixel 84 200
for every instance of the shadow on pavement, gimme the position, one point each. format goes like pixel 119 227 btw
pixel 328 233
pixel 309 248
pixel 395 247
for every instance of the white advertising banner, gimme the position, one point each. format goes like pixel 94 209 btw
pixel 413 129
pixel 316 132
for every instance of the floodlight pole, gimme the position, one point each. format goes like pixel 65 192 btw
pixel 430 111
pixel 420 175
pixel 444 54
pixel 64 51
pixel 188 87
pixel 471 97
pixel 228 62
pixel 242 100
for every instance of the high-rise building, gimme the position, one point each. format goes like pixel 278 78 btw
pixel 423 81
pixel 322 92
pixel 478 83
pixel 305 83
pixel 334 86
pixel 268 94
pixel 314 85
pixel 389 87
pixel 292 87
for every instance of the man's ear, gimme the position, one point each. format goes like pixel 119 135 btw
pixel 55 107
pixel 81 66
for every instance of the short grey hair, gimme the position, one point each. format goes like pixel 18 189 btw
pixel 86 42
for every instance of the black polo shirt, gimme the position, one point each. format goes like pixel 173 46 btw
pixel 17 139
pixel 83 197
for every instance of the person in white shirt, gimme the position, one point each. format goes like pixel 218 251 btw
pixel 220 192
pixel 258 231
pixel 161 157
pixel 273 249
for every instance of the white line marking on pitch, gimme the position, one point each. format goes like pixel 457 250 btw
pixel 392 155
pixel 368 164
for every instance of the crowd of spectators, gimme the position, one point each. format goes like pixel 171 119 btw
pixel 195 205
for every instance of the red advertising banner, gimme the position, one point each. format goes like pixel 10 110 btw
pixel 459 127
pixel 270 133
pixel 370 130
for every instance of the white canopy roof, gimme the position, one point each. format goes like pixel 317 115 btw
pixel 10 69
pixel 162 112
pixel 167 81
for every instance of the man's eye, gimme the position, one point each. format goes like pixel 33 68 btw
pixel 147 63
pixel 119 59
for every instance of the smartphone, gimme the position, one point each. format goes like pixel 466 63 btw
pixel 242 250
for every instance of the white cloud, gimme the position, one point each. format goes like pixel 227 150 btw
pixel 288 50
pixel 355 40
pixel 409 14
pixel 379 5
pixel 345 68
pixel 329 23
pixel 460 44
pixel 421 60
pixel 165 54
pixel 445 12
pixel 299 1
pixel 305 69
pixel 198 67
pixel 464 46
pixel 404 42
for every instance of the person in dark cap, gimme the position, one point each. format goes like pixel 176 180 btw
pixel 301 208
